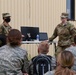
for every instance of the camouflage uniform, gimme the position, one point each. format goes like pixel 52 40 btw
pixel 13 60
pixel 4 29
pixel 65 33
pixel 53 63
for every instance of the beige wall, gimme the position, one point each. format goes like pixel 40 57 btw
pixel 44 14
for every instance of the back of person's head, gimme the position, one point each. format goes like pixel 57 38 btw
pixel 43 47
pixel 14 37
pixel 65 61
pixel 75 39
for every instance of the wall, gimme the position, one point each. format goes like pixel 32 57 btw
pixel 44 14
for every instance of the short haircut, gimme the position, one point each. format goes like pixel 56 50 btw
pixel 44 47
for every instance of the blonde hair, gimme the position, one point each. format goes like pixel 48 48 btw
pixel 43 47
pixel 65 61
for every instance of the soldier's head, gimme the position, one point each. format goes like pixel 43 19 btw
pixel 43 47
pixel 64 17
pixel 14 37
pixel 6 17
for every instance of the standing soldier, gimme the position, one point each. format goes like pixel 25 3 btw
pixel 4 27
pixel 65 31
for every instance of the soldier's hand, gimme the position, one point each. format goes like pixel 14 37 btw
pixel 50 42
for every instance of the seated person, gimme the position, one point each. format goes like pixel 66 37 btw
pixel 72 49
pixel 65 61
pixel 13 59
pixel 2 40
pixel 40 59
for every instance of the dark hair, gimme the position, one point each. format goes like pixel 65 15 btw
pixel 2 40
pixel 14 37
pixel 75 39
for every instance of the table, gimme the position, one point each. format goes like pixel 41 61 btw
pixel 35 42
pixel 31 42
pixel 38 42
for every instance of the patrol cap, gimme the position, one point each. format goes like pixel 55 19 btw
pixel 6 15
pixel 64 15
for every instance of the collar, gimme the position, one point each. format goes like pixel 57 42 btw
pixel 5 24
pixel 42 54
pixel 64 24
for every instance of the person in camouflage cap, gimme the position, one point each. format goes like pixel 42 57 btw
pixel 65 31
pixel 13 59
pixel 5 27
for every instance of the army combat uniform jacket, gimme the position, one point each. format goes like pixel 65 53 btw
pixel 5 29
pixel 65 34
pixel 13 60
